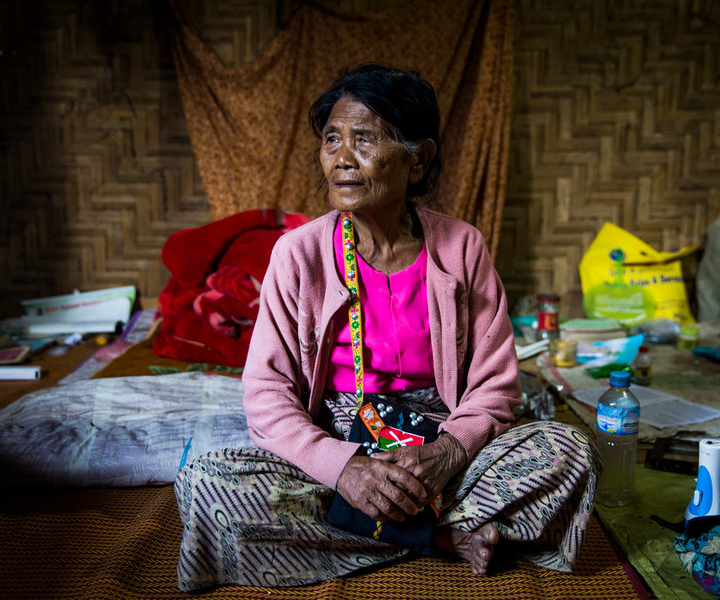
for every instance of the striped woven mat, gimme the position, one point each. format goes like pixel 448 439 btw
pixel 123 543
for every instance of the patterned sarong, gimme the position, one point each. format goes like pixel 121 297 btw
pixel 251 518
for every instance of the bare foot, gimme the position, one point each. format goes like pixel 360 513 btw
pixel 476 547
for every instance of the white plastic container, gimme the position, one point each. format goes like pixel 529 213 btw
pixel 706 497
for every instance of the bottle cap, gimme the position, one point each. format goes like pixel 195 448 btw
pixel 643 348
pixel 620 378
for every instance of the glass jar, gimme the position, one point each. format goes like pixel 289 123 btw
pixel 563 353
pixel 689 337
pixel 547 317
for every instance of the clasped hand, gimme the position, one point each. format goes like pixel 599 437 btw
pixel 391 485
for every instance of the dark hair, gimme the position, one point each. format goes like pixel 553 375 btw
pixel 401 98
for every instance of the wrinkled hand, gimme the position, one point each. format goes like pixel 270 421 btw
pixel 432 464
pixel 382 490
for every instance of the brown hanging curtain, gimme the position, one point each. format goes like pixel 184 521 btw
pixel 249 127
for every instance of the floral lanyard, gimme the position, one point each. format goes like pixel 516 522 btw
pixel 367 412
pixel 354 313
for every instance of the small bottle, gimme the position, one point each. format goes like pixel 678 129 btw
pixel 689 337
pixel 643 367
pixel 547 317
pixel 618 419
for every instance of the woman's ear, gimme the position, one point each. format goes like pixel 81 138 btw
pixel 422 160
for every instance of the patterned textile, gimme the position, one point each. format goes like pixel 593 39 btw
pixel 698 549
pixel 252 518
pixel 118 431
pixel 248 126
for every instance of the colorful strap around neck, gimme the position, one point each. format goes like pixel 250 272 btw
pixel 367 413
pixel 354 313
pixel 356 335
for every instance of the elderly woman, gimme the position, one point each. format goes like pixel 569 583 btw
pixel 435 337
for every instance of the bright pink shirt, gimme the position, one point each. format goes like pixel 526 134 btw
pixel 396 329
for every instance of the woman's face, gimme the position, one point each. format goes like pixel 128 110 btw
pixel 365 169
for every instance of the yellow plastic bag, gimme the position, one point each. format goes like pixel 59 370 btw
pixel 624 278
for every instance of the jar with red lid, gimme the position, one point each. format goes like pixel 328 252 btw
pixel 547 317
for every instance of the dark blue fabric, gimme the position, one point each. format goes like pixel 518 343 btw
pixel 415 532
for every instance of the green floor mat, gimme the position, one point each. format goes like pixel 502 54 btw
pixel 643 531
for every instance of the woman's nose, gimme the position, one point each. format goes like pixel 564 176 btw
pixel 346 158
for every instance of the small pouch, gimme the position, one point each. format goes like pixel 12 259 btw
pixel 381 425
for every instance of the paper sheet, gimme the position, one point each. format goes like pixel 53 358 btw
pixel 658 409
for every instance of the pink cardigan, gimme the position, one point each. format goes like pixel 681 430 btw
pixel 473 348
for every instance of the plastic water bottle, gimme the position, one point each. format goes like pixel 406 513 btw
pixel 618 418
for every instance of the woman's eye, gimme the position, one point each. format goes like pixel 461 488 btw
pixel 367 139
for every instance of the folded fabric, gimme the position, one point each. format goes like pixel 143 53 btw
pixel 698 548
pixel 210 304
pixel 123 431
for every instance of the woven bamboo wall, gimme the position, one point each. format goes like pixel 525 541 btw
pixel 96 167
pixel 617 119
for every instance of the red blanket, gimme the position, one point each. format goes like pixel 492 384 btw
pixel 210 304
